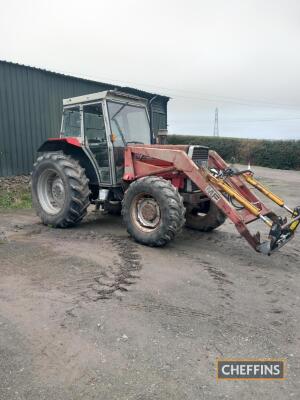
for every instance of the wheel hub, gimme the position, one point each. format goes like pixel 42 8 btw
pixel 58 190
pixel 51 191
pixel 148 212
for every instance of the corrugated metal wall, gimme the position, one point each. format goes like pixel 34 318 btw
pixel 31 108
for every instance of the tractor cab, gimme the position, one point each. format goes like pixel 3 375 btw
pixel 105 123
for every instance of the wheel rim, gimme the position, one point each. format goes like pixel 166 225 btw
pixel 145 212
pixel 51 192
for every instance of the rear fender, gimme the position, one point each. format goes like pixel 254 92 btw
pixel 72 147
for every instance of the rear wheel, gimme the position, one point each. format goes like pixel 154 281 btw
pixel 153 211
pixel 60 191
pixel 205 219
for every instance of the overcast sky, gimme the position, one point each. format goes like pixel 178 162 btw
pixel 240 56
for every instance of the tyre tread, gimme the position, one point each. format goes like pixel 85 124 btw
pixel 78 186
pixel 172 206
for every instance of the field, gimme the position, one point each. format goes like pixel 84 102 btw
pixel 87 313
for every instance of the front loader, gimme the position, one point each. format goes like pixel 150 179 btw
pixel 106 156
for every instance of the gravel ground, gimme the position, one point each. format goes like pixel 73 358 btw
pixel 87 313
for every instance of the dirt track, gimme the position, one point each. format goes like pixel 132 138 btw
pixel 87 313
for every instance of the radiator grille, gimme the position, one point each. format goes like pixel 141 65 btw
pixel 200 155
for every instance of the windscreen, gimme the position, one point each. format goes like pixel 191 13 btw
pixel 71 122
pixel 129 124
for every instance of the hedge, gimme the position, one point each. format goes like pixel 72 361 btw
pixel 283 154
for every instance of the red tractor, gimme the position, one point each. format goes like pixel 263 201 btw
pixel 105 156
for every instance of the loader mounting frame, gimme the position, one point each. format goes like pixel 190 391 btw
pixel 219 183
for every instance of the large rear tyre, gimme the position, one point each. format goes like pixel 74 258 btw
pixel 153 211
pixel 60 190
pixel 206 219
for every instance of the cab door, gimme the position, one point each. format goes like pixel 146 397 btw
pixel 96 138
pixel 129 124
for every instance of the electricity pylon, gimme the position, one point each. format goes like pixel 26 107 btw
pixel 216 126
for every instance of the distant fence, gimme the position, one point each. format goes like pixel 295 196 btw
pixel 283 154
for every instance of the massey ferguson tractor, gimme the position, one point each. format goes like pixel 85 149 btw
pixel 106 156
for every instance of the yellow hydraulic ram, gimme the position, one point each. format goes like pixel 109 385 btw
pixel 294 225
pixel 249 178
pixel 237 196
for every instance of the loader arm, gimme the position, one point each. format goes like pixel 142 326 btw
pixel 219 187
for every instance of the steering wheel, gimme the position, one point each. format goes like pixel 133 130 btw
pixel 95 141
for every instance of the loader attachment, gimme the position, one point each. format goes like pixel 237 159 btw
pixel 232 184
pixel 228 188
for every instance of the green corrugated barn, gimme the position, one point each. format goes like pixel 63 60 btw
pixel 31 108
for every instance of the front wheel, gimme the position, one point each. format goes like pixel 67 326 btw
pixel 153 211
pixel 205 219
pixel 60 190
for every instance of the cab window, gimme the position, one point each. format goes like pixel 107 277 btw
pixel 71 122
pixel 95 136
pixel 94 127
pixel 129 124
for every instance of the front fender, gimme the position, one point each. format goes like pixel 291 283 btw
pixel 72 147
pixel 56 144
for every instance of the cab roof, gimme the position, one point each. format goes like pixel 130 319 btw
pixel 106 94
